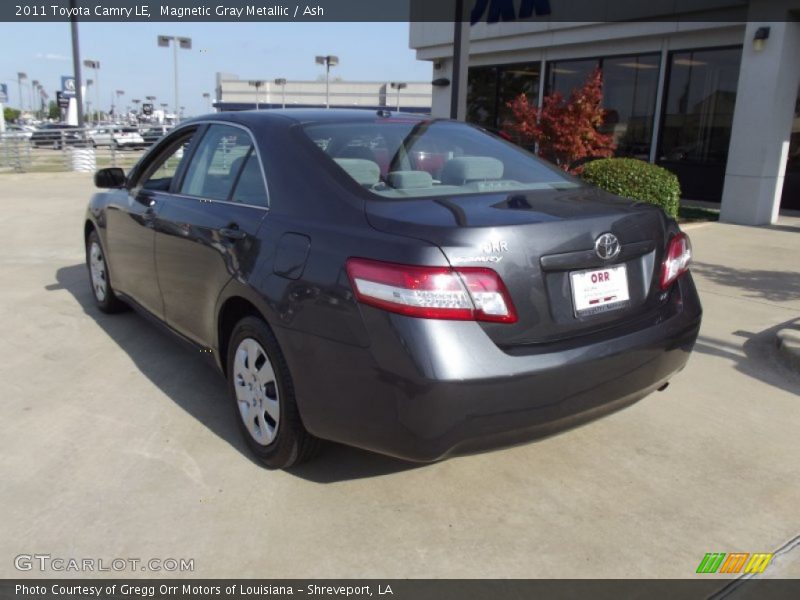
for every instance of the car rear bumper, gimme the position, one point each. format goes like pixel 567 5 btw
pixel 426 389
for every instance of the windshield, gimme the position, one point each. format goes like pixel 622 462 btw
pixel 394 158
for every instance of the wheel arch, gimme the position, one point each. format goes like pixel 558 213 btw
pixel 232 310
pixel 88 228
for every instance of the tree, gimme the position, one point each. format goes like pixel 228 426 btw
pixel 10 114
pixel 53 111
pixel 564 131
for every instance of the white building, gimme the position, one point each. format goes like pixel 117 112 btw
pixel 717 102
pixel 233 93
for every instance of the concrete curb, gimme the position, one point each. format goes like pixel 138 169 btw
pixel 788 341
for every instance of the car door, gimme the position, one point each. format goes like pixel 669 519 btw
pixel 130 221
pixel 206 232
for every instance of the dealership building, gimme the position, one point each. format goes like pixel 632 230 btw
pixel 716 101
pixel 233 93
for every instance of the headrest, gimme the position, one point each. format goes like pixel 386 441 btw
pixel 365 172
pixel 406 180
pixel 458 171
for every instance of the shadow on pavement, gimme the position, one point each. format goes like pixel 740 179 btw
pixel 196 386
pixel 773 286
pixel 757 357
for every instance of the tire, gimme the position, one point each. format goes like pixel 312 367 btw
pixel 99 277
pixel 262 397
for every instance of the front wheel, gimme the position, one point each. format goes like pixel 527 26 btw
pixel 261 389
pixel 102 292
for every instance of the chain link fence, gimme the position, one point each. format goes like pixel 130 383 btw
pixel 55 149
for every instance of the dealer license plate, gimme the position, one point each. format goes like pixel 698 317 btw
pixel 599 290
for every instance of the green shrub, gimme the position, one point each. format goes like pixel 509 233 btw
pixel 636 179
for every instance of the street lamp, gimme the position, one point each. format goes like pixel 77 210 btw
pixel 136 102
pixel 119 94
pixel 183 42
pixel 32 90
pixel 20 77
pixel 89 82
pixel 329 61
pixel 398 85
pixel 95 65
pixel 42 96
pixel 207 98
pixel 256 83
pixel 282 82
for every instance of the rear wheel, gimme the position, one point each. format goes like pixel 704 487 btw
pixel 261 389
pixel 102 292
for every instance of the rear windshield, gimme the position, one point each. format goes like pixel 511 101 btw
pixel 413 159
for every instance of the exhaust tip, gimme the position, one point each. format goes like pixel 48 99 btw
pixel 663 387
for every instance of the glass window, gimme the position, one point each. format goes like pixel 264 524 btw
pixel 791 183
pixel 433 158
pixel 249 187
pixel 566 75
pixel 219 158
pixel 515 80
pixel 159 173
pixel 630 86
pixel 698 106
pixel 490 89
pixel 482 96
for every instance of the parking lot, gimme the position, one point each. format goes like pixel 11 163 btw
pixel 119 442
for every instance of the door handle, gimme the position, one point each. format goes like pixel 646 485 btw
pixel 232 233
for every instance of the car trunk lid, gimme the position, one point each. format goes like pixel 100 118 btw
pixel 536 241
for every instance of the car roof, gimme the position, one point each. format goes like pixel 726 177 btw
pixel 308 115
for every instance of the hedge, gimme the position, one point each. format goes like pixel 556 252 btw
pixel 635 179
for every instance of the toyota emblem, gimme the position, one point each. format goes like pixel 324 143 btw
pixel 607 246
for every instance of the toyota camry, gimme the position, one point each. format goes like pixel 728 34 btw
pixel 412 286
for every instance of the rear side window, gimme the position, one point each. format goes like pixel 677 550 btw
pixel 396 158
pixel 225 167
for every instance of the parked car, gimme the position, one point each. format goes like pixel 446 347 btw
pixel 118 137
pixel 400 312
pixel 17 132
pixel 152 135
pixel 57 135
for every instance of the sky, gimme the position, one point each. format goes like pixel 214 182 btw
pixel 131 60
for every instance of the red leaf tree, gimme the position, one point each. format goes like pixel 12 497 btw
pixel 564 131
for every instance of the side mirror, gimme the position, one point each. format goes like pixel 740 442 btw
pixel 113 177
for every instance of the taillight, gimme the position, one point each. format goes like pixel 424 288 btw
pixel 677 259
pixel 466 294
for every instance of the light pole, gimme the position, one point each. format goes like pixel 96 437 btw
pixel 256 83
pixel 89 82
pixel 282 82
pixel 398 85
pixel 183 42
pixel 207 98
pixel 151 100
pixel 329 61
pixel 120 94
pixel 136 102
pixel 40 97
pixel 95 66
pixel 32 90
pixel 20 77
